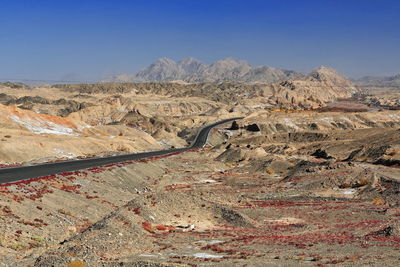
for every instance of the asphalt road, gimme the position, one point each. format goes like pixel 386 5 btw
pixel 15 174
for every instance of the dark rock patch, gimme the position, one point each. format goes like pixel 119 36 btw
pixel 321 154
pixel 387 231
pixel 253 128
pixel 387 162
pixel 234 126
pixel 15 85
pixel 313 126
pixel 33 100
pixel 233 217
pixel 5 99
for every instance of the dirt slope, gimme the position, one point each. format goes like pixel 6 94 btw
pixel 27 136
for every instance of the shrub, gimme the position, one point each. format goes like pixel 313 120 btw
pixel 378 201
pixel 363 181
pixel 269 171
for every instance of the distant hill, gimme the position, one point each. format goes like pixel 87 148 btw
pixel 310 91
pixel 194 71
pixel 392 82
pixel 15 85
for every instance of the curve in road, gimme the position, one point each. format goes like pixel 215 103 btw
pixel 17 174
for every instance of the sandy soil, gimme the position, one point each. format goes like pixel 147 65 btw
pixel 201 208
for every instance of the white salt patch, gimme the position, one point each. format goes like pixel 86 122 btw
pixel 63 153
pixel 164 143
pixel 349 191
pixel 290 124
pixel 345 119
pixel 150 255
pixel 207 256
pixel 256 106
pixel 209 242
pixel 80 128
pixel 208 181
pixel 393 116
pixel 212 242
pixel 43 127
pixel 327 119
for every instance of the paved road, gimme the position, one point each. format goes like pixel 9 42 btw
pixel 15 174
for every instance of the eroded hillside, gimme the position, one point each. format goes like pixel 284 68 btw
pixel 309 176
pixel 312 91
pixel 239 201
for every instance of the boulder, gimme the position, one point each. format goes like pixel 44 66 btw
pixel 253 128
pixel 234 126
pixel 321 154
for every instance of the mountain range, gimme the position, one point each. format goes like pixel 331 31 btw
pixel 392 82
pixel 194 71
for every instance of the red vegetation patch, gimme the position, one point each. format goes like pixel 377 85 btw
pixel 71 188
pixel 8 212
pixel 99 169
pixel 30 223
pixel 28 181
pixel 161 227
pixel 83 226
pixel 164 228
pixel 147 226
pixel 137 211
pixel 10 165
pixel 76 173
pixel 17 198
pixel 362 224
pixel 90 197
pixel 38 193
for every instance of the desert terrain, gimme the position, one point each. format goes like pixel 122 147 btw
pixel 309 177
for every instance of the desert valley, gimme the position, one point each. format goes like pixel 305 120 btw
pixel 309 177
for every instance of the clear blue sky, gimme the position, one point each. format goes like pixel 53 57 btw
pixel 88 40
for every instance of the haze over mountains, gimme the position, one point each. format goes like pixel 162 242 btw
pixel 192 70
pixel 392 82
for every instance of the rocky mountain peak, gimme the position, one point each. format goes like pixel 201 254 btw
pixel 192 70
pixel 189 60
pixel 332 79
pixel 164 60
pixel 231 62
pixel 327 74
pixel 191 65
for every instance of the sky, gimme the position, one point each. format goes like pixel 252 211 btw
pixel 90 40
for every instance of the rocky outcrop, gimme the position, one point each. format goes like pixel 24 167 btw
pixel 15 85
pixel 234 126
pixel 291 91
pixel 30 102
pixel 321 154
pixel 253 128
pixel 321 86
